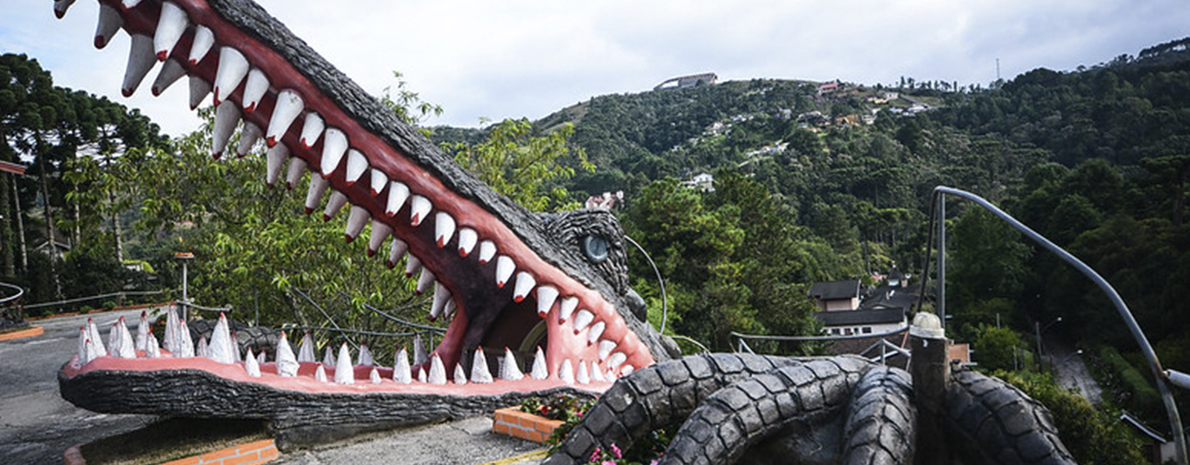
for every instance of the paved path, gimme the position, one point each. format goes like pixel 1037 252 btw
pixel 1070 370
pixel 463 442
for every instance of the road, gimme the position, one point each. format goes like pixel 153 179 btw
pixel 1070 370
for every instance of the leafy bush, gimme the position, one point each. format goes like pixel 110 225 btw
pixel 1136 392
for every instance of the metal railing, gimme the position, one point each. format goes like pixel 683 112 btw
pixel 11 306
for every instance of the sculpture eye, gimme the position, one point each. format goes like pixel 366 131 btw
pixel 595 248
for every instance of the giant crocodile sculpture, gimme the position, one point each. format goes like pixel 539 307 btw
pixel 503 277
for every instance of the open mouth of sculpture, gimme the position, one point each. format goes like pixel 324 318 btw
pixel 493 288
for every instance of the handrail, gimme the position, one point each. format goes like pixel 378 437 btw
pixel 1159 374
pixel 20 293
pixel 829 337
pixel 93 297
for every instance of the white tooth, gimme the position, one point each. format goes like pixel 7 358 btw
pixel 344 372
pixel 311 129
pixel 450 309
pixel 627 370
pixel 524 285
pixel 235 352
pixel 379 181
pixel 374 376
pixel 487 250
pixel 365 356
pixel 567 308
pixel 261 359
pixel 597 374
pixel 170 338
pixel 227 115
pixel 170 26
pixel 615 360
pixel 356 165
pixel 152 350
pixel 441 297
pixel 606 347
pixel 220 348
pixel 232 69
pixel 380 232
pixel 96 339
pixel 287 364
pixel 185 344
pixel 328 357
pixel 127 345
pixel 460 375
pixel 201 45
pixel 566 372
pixel 479 368
pixel 421 375
pixel 510 370
pixel 314 195
pixel 297 167
pixel 412 265
pixel 596 331
pixel 401 372
pixel 356 220
pixel 171 71
pixel 110 22
pixel 504 268
pixel 275 157
pixel 200 351
pixel 419 208
pixel 130 4
pixel 424 281
pixel 334 145
pixel 142 332
pixel 248 137
pixel 334 204
pixel 289 106
pixel 419 351
pixel 140 61
pixel 320 374
pixel 396 250
pixel 546 296
pixel 398 193
pixel 306 349
pixel 437 371
pixel 539 369
pixel 60 7
pixel 582 319
pixel 582 376
pixel 254 89
pixel 251 365
pixel 199 89
pixel 467 239
pixel 444 228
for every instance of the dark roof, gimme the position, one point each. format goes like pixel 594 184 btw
pixel 891 297
pixel 861 317
pixel 835 290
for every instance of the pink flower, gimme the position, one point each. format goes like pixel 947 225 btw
pixel 608 462
pixel 595 455
pixel 616 450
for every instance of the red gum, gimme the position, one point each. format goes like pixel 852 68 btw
pixel 394 164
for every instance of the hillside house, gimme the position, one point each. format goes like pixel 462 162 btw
pixel 702 181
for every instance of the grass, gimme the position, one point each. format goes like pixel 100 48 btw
pixel 171 439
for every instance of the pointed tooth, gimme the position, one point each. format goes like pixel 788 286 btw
pixel 293 174
pixel 379 182
pixel 582 376
pixel 510 370
pixel 524 285
pixel 398 193
pixel 480 374
pixel 356 220
pixel 441 297
pixel 401 372
pixel 487 250
pixel 396 251
pixel 412 265
pixel 334 145
pixel 450 308
pixel 424 281
pixel 357 164
pixel 110 22
pixel 254 89
pixel 170 26
pixel 567 308
pixel 314 194
pixel 606 347
pixel 597 374
pixel 582 319
pixel 627 370
pixel 152 350
pixel 419 351
pixel 374 376
pixel 220 348
pixel 566 372
pixel 289 105
pixel 320 374
pixel 230 73
pixel 199 89
pixel 344 372
pixel 201 45
pixel 185 343
pixel 227 115
pixel 171 71
pixel 467 239
pixel 460 375
pixel 444 228
pixel 437 371
pixel 275 157
pixel 615 360
pixel 336 203
pixel 306 349
pixel 140 61
pixel 539 369
pixel 596 331
pixel 200 350
pixel 130 4
pixel 287 364
pixel 546 296
pixel 248 137
pixel 365 356
pixel 504 268
pixel 419 208
pixel 311 130
pixel 142 331
pixel 60 7
pixel 380 232
pixel 251 365
pixel 421 375
pixel 328 357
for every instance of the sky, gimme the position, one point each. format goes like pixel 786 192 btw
pixel 484 59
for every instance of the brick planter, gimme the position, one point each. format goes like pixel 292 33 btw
pixel 513 422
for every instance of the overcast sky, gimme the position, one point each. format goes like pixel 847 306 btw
pixel 528 58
